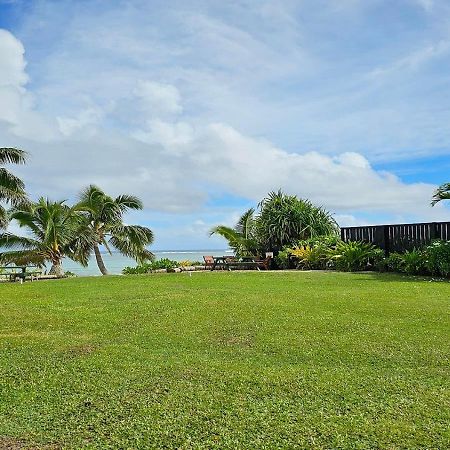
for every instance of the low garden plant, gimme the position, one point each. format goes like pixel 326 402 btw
pixel 163 263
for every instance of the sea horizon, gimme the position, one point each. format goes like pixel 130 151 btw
pixel 115 261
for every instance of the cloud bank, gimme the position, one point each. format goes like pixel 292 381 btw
pixel 139 111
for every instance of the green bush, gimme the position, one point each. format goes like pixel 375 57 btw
pixel 438 258
pixel 282 259
pixel 148 267
pixel 394 262
pixel 329 241
pixel 354 255
pixel 413 262
pixel 311 257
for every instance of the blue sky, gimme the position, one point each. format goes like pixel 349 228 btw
pixel 202 107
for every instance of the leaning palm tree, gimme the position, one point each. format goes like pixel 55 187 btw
pixel 12 189
pixel 105 220
pixel 241 238
pixel 441 193
pixel 54 230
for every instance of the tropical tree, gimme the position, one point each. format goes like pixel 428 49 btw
pixel 54 230
pixel 242 238
pixel 12 189
pixel 441 193
pixel 285 219
pixel 282 220
pixel 104 216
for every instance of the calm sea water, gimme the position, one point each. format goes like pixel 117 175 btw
pixel 116 262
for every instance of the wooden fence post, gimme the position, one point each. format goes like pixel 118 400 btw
pixel 387 246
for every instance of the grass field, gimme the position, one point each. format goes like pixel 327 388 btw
pixel 226 360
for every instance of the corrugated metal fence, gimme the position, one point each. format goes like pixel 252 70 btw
pixel 398 238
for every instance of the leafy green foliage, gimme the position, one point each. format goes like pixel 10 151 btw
pixel 353 255
pixel 285 219
pixel 163 263
pixel 283 258
pixel 394 262
pixel 438 258
pixel 12 189
pixel 413 262
pixel 311 257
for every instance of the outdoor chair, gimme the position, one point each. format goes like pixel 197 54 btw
pixel 209 262
pixel 264 263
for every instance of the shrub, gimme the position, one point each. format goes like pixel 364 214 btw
pixel 311 257
pixel 282 259
pixel 329 241
pixel 148 267
pixel 353 255
pixel 413 262
pixel 438 258
pixel 394 262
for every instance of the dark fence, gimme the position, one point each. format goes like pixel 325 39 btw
pixel 398 238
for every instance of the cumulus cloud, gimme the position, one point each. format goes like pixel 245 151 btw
pixel 12 77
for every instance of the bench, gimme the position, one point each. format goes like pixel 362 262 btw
pixel 14 273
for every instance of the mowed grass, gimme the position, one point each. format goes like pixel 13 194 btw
pixel 226 360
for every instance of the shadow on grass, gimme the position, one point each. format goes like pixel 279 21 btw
pixel 399 277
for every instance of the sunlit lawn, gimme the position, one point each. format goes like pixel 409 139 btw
pixel 226 360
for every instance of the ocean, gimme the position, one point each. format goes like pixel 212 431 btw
pixel 116 262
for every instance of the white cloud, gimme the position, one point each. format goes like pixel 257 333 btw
pixel 12 77
pixel 158 98
pixel 85 118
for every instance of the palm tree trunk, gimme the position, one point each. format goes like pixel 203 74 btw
pixel 99 259
pixel 56 269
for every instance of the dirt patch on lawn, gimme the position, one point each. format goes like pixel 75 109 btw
pixel 81 350
pixel 235 340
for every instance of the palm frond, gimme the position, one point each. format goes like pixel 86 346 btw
pixel 441 193
pixel 131 241
pixel 11 155
pixel 246 223
pixel 126 202
pixel 3 217
pixel 9 240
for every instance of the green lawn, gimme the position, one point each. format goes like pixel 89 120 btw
pixel 226 360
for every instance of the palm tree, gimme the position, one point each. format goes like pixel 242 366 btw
pixel 55 229
pixel 12 189
pixel 105 220
pixel 241 238
pixel 441 193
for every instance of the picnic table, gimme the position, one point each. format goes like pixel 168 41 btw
pixel 20 272
pixel 231 262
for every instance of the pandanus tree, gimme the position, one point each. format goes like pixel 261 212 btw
pixel 12 189
pixel 285 219
pixel 104 215
pixel 242 237
pixel 281 220
pixel 53 230
pixel 441 193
